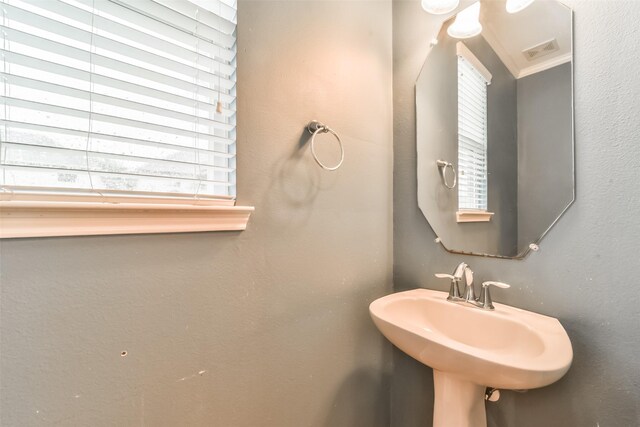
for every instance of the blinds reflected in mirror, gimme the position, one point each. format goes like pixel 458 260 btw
pixel 119 96
pixel 472 137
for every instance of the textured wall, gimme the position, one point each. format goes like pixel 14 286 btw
pixel 437 136
pixel 545 186
pixel 584 272
pixel 268 327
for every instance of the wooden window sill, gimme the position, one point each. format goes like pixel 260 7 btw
pixel 473 216
pixel 37 215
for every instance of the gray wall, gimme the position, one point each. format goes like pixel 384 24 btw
pixel 502 152
pixel 584 271
pixel 268 327
pixel 437 136
pixel 545 188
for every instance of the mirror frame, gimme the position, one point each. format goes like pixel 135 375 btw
pixel 534 245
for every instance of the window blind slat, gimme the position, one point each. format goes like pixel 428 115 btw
pixel 473 193
pixel 470 169
pixel 79 160
pixel 218 15
pixel 178 63
pixel 121 126
pixel 473 108
pixel 474 184
pixel 51 136
pixel 187 38
pixel 71 170
pixel 31 113
pixel 119 95
pixel 473 159
pixel 105 70
pixel 471 133
pixel 71 180
pixel 471 88
pixel 471 149
pixel 24 152
pixel 470 175
pixel 115 20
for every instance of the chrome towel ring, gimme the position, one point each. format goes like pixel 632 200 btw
pixel 442 168
pixel 314 127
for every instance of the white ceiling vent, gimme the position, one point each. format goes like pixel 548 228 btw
pixel 541 49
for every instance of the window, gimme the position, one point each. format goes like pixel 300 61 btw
pixel 119 100
pixel 473 79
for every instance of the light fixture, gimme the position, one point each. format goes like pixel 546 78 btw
pixel 515 6
pixel 440 7
pixel 467 23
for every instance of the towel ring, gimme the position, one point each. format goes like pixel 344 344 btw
pixel 442 168
pixel 314 128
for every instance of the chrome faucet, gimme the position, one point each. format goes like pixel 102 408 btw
pixel 469 292
pixel 464 272
pixel 461 272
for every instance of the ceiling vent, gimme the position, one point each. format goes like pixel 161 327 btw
pixel 540 50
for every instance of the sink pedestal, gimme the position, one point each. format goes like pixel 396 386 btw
pixel 457 402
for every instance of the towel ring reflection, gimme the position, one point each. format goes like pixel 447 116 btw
pixel 314 128
pixel 442 168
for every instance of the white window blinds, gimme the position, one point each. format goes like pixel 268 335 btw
pixel 472 137
pixel 119 96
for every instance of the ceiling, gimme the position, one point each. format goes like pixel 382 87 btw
pixel 511 34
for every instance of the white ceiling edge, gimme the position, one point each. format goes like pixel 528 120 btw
pixel 499 49
pixel 543 66
pixel 510 35
pixel 508 62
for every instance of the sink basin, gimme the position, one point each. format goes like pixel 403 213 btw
pixel 470 349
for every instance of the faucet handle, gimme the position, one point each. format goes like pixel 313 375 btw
pixel 496 284
pixel 454 291
pixel 485 296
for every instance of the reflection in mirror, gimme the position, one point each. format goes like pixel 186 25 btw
pixel 497 106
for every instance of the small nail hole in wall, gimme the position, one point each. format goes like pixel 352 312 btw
pixel 123 354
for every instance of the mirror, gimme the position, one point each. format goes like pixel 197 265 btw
pixel 494 127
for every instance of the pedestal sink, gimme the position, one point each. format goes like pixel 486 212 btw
pixel 470 349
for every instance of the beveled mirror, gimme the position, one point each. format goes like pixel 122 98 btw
pixel 494 126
